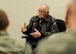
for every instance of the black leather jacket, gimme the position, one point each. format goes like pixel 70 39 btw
pixel 48 27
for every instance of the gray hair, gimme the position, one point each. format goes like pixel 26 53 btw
pixel 47 7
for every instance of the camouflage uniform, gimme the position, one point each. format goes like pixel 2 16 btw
pixel 10 46
pixel 61 43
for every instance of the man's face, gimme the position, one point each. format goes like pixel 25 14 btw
pixel 42 13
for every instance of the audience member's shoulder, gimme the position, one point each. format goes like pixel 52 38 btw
pixel 54 39
pixel 16 43
pixel 56 35
pixel 66 36
pixel 19 43
pixel 51 38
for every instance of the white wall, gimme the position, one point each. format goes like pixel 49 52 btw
pixel 20 11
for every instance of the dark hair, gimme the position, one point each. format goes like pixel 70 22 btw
pixel 3 20
pixel 61 25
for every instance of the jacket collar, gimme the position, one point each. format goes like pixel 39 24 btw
pixel 46 19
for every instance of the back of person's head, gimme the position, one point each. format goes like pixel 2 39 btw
pixel 61 25
pixel 3 20
pixel 71 16
pixel 68 12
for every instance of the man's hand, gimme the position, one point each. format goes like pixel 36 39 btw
pixel 24 28
pixel 36 34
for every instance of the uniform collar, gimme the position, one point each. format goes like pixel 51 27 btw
pixel 3 33
pixel 71 31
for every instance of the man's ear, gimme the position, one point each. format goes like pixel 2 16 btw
pixel 48 12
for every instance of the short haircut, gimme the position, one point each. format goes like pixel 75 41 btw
pixel 3 20
pixel 48 9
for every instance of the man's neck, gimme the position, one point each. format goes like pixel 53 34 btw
pixel 4 30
